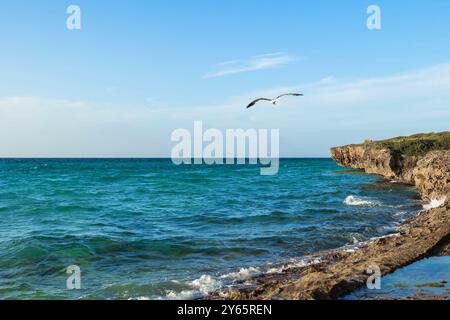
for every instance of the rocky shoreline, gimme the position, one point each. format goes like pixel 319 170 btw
pixel 342 271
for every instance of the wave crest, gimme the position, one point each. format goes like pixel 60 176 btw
pixel 356 201
pixel 200 288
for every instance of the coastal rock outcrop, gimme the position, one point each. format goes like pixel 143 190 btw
pixel 432 176
pixel 430 173
pixel 366 157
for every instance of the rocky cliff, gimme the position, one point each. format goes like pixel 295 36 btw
pixel 428 171
pixel 432 175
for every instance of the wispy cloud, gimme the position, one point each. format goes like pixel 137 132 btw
pixel 254 63
pixel 333 111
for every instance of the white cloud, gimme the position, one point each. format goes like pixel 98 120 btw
pixel 419 87
pixel 332 112
pixel 259 62
pixel 410 87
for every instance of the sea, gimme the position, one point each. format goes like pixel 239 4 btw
pixel 150 229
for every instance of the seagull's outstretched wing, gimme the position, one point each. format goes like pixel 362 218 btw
pixel 257 100
pixel 289 94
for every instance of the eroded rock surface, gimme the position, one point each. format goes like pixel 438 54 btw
pixel 432 175
pixel 429 173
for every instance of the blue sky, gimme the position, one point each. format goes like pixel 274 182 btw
pixel 137 70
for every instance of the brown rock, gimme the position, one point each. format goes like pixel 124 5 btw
pixel 429 173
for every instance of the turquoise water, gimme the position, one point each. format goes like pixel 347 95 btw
pixel 151 229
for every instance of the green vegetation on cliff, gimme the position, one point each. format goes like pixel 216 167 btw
pixel 417 144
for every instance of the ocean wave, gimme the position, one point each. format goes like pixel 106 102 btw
pixel 357 201
pixel 295 263
pixel 434 203
pixel 206 284
pixel 200 288
pixel 350 248
pixel 243 274
pixel 400 213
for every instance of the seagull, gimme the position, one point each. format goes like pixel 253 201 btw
pixel 273 101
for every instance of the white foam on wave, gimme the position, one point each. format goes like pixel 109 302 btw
pixel 356 201
pixel 200 288
pixel 243 274
pixel 400 213
pixel 384 237
pixel 299 263
pixel 206 284
pixel 434 203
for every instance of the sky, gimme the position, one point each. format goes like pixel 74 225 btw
pixel 138 70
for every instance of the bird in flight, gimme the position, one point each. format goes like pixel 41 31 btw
pixel 273 101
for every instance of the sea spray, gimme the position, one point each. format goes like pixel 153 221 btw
pixel 434 203
pixel 358 201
